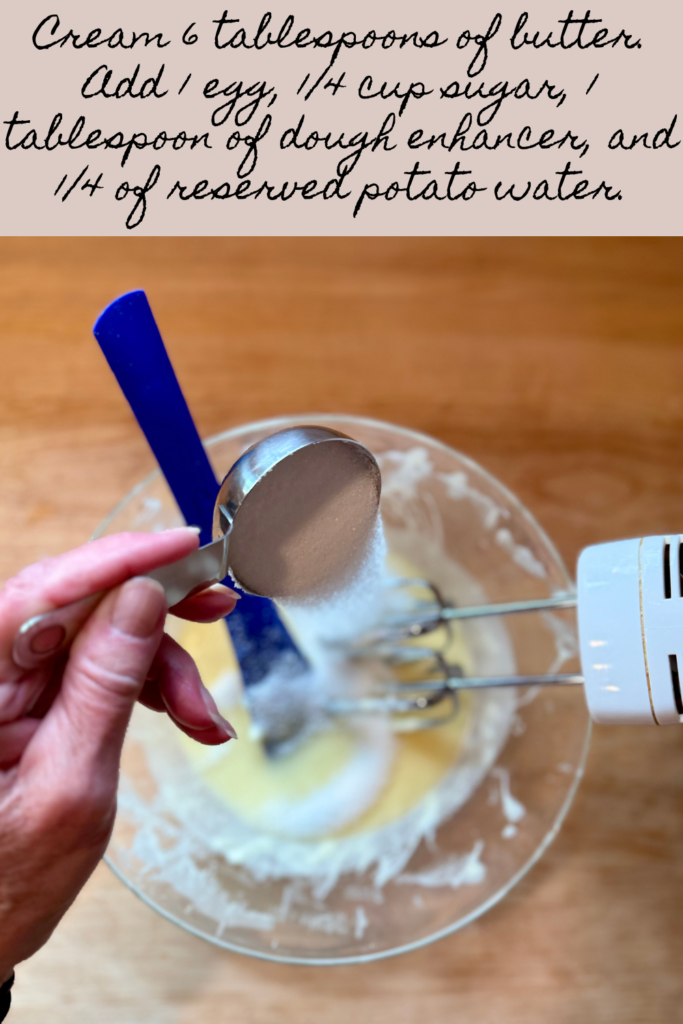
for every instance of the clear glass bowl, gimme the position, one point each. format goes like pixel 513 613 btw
pixel 467 843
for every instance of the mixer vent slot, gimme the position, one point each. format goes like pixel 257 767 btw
pixel 680 569
pixel 676 683
pixel 667 570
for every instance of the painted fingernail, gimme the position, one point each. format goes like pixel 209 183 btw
pixel 221 723
pixel 140 608
pixel 48 640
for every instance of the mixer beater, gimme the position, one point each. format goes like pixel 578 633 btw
pixel 428 682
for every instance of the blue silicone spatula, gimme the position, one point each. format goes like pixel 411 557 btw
pixel 130 340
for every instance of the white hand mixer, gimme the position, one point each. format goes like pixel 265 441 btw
pixel 630 622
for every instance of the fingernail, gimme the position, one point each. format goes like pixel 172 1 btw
pixel 140 608
pixel 221 723
pixel 49 640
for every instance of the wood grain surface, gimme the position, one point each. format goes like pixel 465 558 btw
pixel 557 364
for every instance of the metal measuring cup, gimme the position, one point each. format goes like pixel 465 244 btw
pixel 293 517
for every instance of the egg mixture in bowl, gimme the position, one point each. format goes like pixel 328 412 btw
pixel 355 837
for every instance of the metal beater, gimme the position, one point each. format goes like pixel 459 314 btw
pixel 432 699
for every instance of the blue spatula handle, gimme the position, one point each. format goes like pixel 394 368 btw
pixel 130 340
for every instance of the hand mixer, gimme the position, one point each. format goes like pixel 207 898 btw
pixel 629 600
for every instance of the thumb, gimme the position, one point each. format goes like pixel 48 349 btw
pixel 108 663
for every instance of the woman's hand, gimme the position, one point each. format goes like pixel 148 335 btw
pixel 62 726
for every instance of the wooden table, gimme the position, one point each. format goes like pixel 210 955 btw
pixel 558 364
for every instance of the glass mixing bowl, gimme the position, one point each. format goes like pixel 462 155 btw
pixel 467 841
